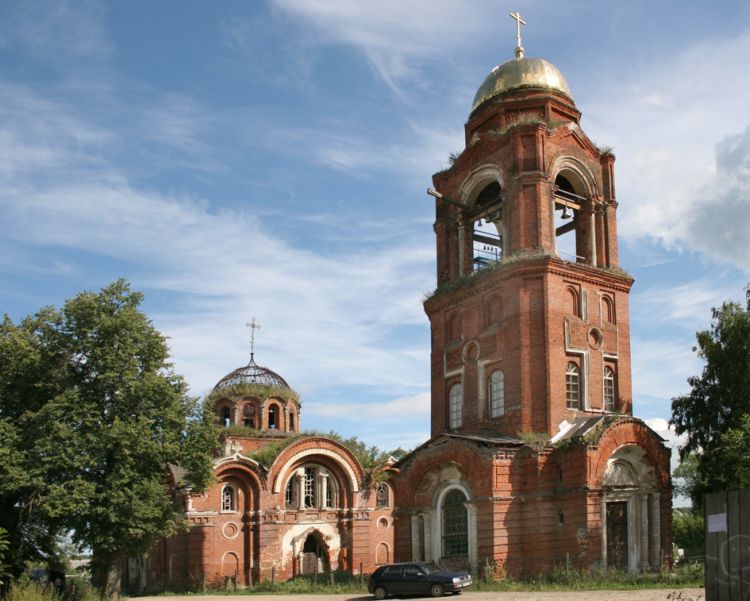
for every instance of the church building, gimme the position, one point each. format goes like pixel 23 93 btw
pixel 282 504
pixel 535 461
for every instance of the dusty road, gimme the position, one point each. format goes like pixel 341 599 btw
pixel 687 594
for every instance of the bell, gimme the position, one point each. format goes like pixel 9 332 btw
pixel 565 214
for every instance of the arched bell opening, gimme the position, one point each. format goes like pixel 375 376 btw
pixel 568 206
pixel 488 229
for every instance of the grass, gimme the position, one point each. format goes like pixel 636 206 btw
pixel 688 576
pixel 24 589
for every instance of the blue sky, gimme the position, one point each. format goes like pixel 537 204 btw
pixel 270 159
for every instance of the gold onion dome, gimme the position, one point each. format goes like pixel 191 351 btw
pixel 517 73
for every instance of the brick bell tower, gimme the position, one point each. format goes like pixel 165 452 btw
pixel 529 321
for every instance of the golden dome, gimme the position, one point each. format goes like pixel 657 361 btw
pixel 520 73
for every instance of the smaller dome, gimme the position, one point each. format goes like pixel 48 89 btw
pixel 520 73
pixel 252 373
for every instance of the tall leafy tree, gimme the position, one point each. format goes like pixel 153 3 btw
pixel 714 414
pixel 93 389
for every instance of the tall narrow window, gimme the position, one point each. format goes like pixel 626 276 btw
pixel 608 309
pixel 289 493
pixel 226 417
pixel 248 416
pixel 381 500
pixel 455 524
pixel 455 406
pixel 291 421
pixel 609 389
pixel 497 394
pixel 228 498
pixel 273 417
pixel 310 496
pixel 573 386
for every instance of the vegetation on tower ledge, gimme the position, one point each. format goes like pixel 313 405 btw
pixel 262 391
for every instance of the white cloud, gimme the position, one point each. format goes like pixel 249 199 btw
pixel 326 314
pixel 687 304
pixel 415 406
pixel 664 124
pixel 661 367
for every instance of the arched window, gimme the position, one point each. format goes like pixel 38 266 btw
pixel 455 406
pixel 497 393
pixel 575 302
pixel 248 416
pixel 382 554
pixel 572 386
pixel 228 498
pixel 608 309
pixel 455 524
pixel 609 389
pixel 273 417
pixel 381 495
pixel 226 417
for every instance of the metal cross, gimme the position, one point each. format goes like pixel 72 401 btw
pixel 519 21
pixel 253 325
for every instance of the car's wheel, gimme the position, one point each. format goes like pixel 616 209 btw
pixel 380 592
pixel 436 590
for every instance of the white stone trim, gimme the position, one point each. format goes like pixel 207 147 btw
pixel 281 474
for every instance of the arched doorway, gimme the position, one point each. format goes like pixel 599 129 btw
pixel 314 555
pixel 630 510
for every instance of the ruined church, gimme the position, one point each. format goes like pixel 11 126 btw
pixel 535 460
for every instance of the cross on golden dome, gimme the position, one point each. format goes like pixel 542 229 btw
pixel 519 21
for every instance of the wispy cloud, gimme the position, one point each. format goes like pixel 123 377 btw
pixel 396 37
pixel 57 31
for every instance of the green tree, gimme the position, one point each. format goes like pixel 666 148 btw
pixel 95 414
pixel 687 533
pixel 714 414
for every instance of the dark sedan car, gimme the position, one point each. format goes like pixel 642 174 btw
pixel 416 578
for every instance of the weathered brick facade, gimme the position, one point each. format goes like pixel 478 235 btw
pixel 307 506
pixel 531 383
pixel 535 460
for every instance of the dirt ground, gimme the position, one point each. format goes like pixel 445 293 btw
pixel 687 594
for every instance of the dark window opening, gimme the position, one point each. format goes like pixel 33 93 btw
pixel 248 416
pixel 226 417
pixel 455 524
pixel 291 422
pixel 273 417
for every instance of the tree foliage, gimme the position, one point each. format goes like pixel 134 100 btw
pixel 714 414
pixel 91 414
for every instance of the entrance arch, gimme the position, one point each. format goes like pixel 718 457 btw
pixel 630 511
pixel 313 557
